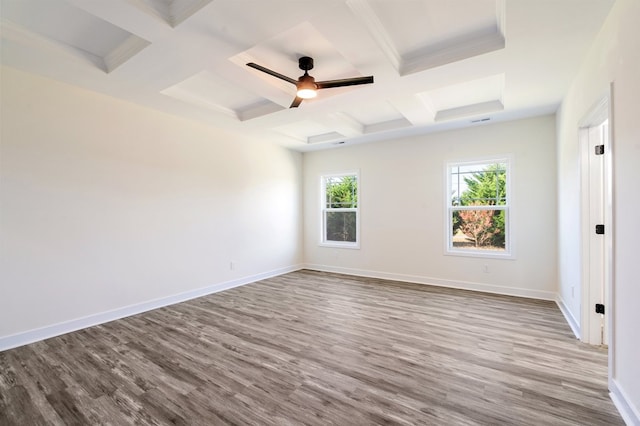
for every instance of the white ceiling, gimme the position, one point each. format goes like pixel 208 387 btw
pixel 437 64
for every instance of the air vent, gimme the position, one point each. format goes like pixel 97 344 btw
pixel 480 120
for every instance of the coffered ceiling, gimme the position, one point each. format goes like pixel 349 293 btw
pixel 437 64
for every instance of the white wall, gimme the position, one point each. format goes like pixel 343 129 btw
pixel 106 205
pixel 402 208
pixel 614 57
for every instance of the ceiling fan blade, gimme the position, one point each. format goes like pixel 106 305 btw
pixel 296 102
pixel 273 73
pixel 344 82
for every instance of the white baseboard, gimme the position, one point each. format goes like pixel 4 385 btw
pixel 31 336
pixel 571 320
pixel 629 413
pixel 464 285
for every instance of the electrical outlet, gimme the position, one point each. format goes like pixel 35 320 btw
pixel 573 292
pixel 485 269
pixel 232 265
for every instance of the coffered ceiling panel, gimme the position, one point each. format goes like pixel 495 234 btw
pixel 61 24
pixel 210 91
pixel 306 130
pixel 467 98
pixel 173 12
pixel 433 21
pixel 378 116
pixel 375 112
pixel 422 34
pixel 436 64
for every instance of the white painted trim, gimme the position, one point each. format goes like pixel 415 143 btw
pixel 180 11
pixel 31 336
pixel 24 37
pixel 125 51
pixel 417 279
pixel 596 115
pixel 585 234
pixel 629 413
pixel 363 10
pixel 571 320
pixel 469 110
pixel 472 45
pixel 428 57
pixel 610 283
pixel 383 126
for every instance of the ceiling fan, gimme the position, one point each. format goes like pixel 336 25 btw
pixel 306 85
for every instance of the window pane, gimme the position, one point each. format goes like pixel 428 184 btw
pixel 478 229
pixel 340 226
pixel 479 185
pixel 341 192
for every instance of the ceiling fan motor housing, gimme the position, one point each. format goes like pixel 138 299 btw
pixel 305 63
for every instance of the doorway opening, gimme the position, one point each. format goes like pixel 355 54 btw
pixel 597 225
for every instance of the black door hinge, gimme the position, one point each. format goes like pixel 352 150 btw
pixel 599 308
pixel 599 149
pixel 600 229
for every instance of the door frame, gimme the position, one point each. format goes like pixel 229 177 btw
pixel 601 111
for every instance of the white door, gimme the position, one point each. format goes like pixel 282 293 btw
pixel 595 279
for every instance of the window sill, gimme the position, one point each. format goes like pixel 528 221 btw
pixel 337 244
pixel 484 254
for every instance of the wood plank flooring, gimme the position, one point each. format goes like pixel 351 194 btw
pixel 318 349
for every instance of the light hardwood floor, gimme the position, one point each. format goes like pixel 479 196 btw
pixel 316 348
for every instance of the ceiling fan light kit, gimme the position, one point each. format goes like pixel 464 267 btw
pixel 306 93
pixel 306 85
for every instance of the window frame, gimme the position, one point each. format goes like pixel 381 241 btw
pixel 449 249
pixel 324 210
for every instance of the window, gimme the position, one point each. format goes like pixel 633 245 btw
pixel 478 208
pixel 340 215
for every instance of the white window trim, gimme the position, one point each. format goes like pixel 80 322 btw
pixel 509 252
pixel 323 210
